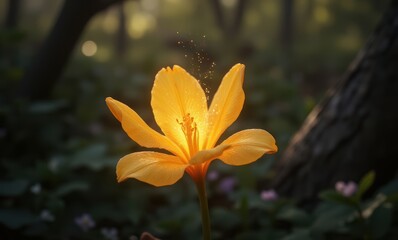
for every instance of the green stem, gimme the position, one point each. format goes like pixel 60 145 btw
pixel 204 207
pixel 362 220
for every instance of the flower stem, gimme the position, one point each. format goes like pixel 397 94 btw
pixel 362 220
pixel 204 207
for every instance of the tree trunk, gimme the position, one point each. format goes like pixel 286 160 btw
pixel 286 34
pixel 238 17
pixel 230 29
pixel 121 35
pixel 12 14
pixel 219 15
pixel 10 52
pixel 46 67
pixel 355 129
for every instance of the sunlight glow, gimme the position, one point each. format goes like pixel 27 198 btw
pixel 110 22
pixel 174 1
pixel 229 3
pixel 140 23
pixel 322 15
pixel 150 5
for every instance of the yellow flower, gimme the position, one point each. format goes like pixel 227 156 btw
pixel 190 129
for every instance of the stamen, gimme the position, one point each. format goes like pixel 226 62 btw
pixel 189 128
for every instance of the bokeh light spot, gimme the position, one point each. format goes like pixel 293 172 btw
pixel 89 48
pixel 141 23
pixel 322 15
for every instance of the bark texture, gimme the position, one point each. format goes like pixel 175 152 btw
pixel 355 128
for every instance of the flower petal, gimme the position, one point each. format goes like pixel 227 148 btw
pixel 155 168
pixel 208 155
pixel 175 94
pixel 226 105
pixel 138 130
pixel 247 146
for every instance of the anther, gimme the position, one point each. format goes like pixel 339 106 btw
pixel 189 128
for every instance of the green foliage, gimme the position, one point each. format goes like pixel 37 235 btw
pixel 13 188
pixel 365 183
pixel 67 170
pixel 16 218
pixel 334 196
pixel 353 216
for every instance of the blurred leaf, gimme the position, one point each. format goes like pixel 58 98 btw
pixel 390 188
pixel 13 188
pixel 55 204
pixel 114 213
pixel 36 229
pixel 294 215
pixel 16 218
pixel 380 221
pixel 330 217
pixel 71 187
pixel 225 219
pixel 181 218
pixel 300 234
pixel 12 73
pixel 365 183
pixel 170 225
pixel 46 107
pixel 275 206
pixel 392 198
pixel 93 157
pixel 264 234
pixel 333 196
pixel 95 164
pixel 94 150
pixel 11 36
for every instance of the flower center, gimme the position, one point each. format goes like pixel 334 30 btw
pixel 190 130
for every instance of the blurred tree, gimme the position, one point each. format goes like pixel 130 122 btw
pixel 46 67
pixel 238 17
pixel 286 32
pixel 218 14
pixel 355 128
pixel 121 35
pixel 12 14
pixel 229 29
pixel 10 37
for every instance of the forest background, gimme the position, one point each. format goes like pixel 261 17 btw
pixel 59 60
